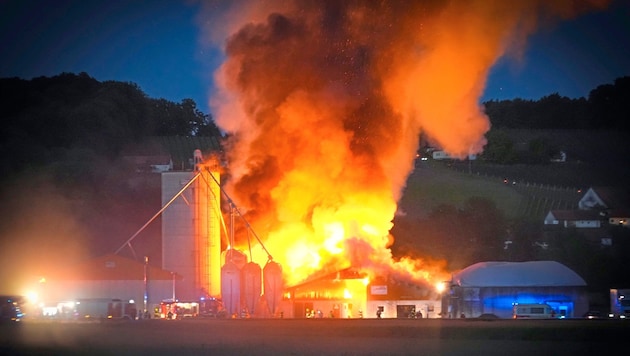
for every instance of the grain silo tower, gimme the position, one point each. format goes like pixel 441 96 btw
pixel 191 235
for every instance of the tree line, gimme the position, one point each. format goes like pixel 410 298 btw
pixel 48 118
pixel 62 143
pixel 606 107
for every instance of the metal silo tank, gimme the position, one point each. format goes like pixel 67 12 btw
pixel 272 279
pixel 231 287
pixel 252 285
pixel 235 256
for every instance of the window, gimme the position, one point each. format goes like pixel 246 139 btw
pixel 537 310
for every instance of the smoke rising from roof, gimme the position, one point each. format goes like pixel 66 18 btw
pixel 325 100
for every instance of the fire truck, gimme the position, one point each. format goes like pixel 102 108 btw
pixel 212 308
pixel 175 309
pixel 105 308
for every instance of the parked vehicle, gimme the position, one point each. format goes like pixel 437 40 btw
pixel 619 303
pixel 104 308
pixel 592 314
pixel 212 307
pixel 10 310
pixel 169 309
pixel 533 311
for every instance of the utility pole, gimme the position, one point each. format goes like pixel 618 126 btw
pixel 146 284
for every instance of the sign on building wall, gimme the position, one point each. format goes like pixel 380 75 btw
pixel 378 290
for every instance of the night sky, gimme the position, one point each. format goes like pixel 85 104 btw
pixel 158 45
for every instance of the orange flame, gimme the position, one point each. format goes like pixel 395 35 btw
pixel 324 102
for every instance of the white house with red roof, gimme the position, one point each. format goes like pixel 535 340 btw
pixel 599 207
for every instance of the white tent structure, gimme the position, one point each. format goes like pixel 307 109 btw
pixel 495 287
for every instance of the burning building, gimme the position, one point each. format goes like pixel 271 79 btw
pixel 349 293
pixel 192 244
pixel 324 103
pixel 199 243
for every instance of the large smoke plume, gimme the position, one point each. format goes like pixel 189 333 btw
pixel 325 101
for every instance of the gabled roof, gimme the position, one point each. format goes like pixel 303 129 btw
pixel 575 215
pixel 113 267
pixel 517 274
pixel 606 197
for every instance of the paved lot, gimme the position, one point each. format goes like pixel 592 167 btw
pixel 314 337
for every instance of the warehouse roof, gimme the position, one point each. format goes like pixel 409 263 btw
pixel 517 274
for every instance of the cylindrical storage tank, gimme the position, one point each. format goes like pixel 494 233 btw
pixel 272 279
pixel 231 287
pixel 235 256
pixel 252 285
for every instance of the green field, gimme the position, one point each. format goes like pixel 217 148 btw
pixel 433 184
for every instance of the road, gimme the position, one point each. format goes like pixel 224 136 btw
pixel 314 337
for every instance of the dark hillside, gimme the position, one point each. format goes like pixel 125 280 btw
pixel 594 158
pixel 71 180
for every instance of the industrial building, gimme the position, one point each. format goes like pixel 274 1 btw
pixel 496 287
pixel 110 276
pixel 198 261
pixel 350 294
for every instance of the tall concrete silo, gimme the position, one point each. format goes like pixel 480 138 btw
pixel 191 235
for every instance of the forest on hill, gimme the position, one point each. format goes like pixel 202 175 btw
pixel 606 108
pixel 52 119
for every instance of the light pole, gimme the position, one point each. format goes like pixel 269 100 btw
pixel 146 285
pixel 173 275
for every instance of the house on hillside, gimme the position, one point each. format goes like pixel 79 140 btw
pixel 605 198
pixel 612 203
pixel 581 219
pixel 598 209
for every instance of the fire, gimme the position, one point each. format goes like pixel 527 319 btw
pixel 335 235
pixel 325 101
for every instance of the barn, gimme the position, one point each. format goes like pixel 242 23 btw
pixel 495 287
pixel 348 293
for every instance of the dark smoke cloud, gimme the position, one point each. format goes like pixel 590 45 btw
pixel 325 100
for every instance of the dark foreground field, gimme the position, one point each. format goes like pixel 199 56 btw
pixel 315 337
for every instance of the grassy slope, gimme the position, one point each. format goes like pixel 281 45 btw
pixel 433 183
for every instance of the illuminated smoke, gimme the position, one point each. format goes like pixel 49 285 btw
pixel 324 102
pixel 40 235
